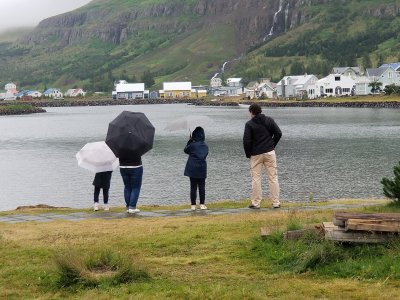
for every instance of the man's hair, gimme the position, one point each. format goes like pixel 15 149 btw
pixel 255 109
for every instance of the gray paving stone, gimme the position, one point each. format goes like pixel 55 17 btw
pixel 6 219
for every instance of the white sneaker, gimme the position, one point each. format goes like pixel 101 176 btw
pixel 106 207
pixel 133 210
pixel 276 205
pixel 203 207
pixel 193 207
pixel 96 206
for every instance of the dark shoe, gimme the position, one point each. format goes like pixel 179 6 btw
pixel 254 207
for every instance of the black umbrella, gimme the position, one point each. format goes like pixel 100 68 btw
pixel 131 133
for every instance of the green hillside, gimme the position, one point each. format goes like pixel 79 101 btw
pixel 337 35
pixel 190 40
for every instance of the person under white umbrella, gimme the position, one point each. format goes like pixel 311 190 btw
pixel 98 158
pixel 189 122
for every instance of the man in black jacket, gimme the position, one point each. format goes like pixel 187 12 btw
pixel 261 135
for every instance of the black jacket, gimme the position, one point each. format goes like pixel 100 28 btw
pixel 261 135
pixel 129 159
pixel 102 179
pixel 196 166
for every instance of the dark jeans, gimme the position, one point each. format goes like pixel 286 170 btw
pixel 194 184
pixel 97 193
pixel 132 178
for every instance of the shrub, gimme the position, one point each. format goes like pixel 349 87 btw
pixel 106 268
pixel 391 188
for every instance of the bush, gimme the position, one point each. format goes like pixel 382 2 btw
pixel 391 188
pixel 106 268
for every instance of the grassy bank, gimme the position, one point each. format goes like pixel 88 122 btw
pixel 198 257
pixel 19 109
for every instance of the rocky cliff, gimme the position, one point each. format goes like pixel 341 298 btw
pixel 253 20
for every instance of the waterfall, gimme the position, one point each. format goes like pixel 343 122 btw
pixel 223 66
pixel 275 19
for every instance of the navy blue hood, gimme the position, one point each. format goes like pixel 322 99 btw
pixel 198 134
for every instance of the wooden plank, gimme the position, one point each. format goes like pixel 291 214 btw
pixel 372 225
pixel 376 216
pixel 337 234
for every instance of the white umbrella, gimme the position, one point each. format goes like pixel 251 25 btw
pixel 189 122
pixel 97 157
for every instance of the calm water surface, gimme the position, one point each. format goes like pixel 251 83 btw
pixel 325 152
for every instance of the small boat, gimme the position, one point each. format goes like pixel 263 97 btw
pixel 244 105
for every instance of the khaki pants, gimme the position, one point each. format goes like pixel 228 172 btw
pixel 268 161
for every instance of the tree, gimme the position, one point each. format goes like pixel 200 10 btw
pixel 283 72
pixel 366 62
pixel 391 188
pixel 148 79
pixel 297 68
pixel 392 89
pixel 375 86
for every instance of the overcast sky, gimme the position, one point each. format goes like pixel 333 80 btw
pixel 22 13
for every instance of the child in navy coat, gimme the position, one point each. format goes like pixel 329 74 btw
pixel 196 166
pixel 101 181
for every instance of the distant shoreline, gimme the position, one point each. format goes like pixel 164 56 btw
pixel 19 109
pixel 196 102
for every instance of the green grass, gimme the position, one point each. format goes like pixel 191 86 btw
pixel 202 257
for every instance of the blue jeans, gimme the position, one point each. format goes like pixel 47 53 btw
pixel 132 178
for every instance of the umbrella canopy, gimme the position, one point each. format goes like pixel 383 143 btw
pixel 189 122
pixel 130 133
pixel 97 157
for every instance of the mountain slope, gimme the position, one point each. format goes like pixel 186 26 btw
pixel 191 39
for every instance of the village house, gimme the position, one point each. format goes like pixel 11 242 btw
pixel 299 87
pixel 352 72
pixel 53 93
pixel 251 89
pixel 234 82
pixel 199 91
pixel 266 89
pixel 215 82
pixel 131 91
pixel 10 92
pixel 385 75
pixel 335 85
pixel 395 66
pixel 176 90
pixel 362 86
pixel 78 92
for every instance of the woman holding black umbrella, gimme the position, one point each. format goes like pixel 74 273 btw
pixel 131 169
pixel 129 136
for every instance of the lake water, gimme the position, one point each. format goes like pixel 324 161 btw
pixel 325 153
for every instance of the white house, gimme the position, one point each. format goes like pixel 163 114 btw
pixel 335 85
pixel 266 88
pixel 130 91
pixel 34 94
pixel 302 86
pixel 53 93
pixel 11 91
pixel 234 82
pixel 75 93
pixel 10 87
pixel 362 86
pixel 215 82
pixel 353 72
pixel 395 66
pixel 385 75
pixel 173 90
pixel 251 89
